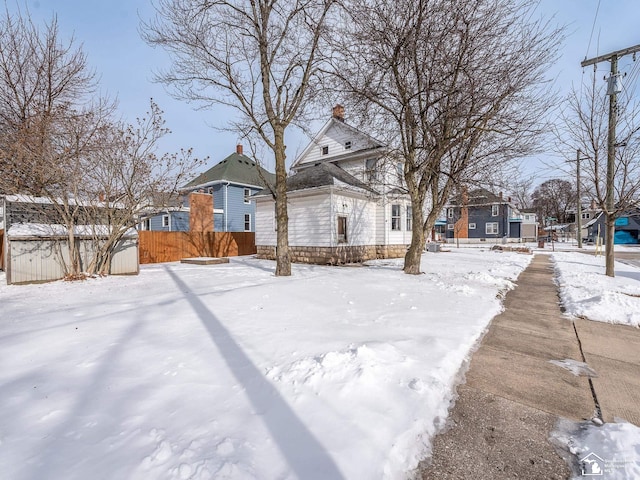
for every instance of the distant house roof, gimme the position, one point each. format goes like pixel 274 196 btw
pixel 321 175
pixel 236 168
pixel 478 197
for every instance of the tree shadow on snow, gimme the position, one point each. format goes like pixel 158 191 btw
pixel 303 452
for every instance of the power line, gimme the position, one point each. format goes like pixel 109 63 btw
pixel 592 29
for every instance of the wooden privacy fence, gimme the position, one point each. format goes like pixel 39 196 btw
pixel 159 247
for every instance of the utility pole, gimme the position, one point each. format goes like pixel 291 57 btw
pixel 578 195
pixel 612 90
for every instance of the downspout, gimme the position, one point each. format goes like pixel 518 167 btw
pixel 334 221
pixel 226 212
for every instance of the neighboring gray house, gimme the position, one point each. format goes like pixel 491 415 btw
pixel 232 182
pixel 481 216
pixel 627 228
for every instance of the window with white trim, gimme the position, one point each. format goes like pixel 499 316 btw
pixel 247 195
pixel 491 228
pixel 450 213
pixel 395 217
pixel 495 210
pixel 247 222
pixel 409 218
pixel 165 221
pixel 324 150
pixel 347 145
pixel 450 226
pixel 472 226
pixel 371 169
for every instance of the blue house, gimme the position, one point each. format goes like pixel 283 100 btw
pixel 170 219
pixel 232 182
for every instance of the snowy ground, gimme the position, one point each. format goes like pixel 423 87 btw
pixel 225 371
pixel 587 292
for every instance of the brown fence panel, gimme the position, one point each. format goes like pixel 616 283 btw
pixel 159 247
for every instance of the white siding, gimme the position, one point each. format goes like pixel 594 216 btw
pixel 310 221
pixel 265 222
pixel 361 220
pixel 336 136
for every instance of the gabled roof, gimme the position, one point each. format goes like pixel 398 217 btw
pixel 478 197
pixel 367 140
pixel 236 168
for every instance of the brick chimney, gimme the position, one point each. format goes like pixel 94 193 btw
pixel 239 149
pixel 338 112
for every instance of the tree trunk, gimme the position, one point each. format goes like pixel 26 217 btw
pixel 610 221
pixel 414 254
pixel 283 261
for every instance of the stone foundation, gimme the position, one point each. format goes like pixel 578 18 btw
pixel 335 255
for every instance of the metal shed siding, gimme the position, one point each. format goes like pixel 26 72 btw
pixel 38 260
pixel 125 258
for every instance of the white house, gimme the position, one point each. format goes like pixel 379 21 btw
pixel 346 201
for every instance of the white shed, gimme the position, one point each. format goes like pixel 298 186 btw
pixel 36 252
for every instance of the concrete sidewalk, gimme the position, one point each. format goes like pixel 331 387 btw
pixel 513 396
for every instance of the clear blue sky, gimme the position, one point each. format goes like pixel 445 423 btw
pixel 108 31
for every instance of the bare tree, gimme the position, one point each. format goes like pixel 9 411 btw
pixel 71 163
pixel 42 80
pixel 554 198
pixel 260 57
pixel 584 127
pixel 457 83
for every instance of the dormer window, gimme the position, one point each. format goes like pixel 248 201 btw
pixel 347 145
pixel 324 150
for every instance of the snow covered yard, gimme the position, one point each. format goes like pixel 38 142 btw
pixel 587 292
pixel 201 372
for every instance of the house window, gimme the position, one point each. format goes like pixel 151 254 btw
pixel 146 224
pixel 400 171
pixel 247 195
pixel 472 226
pixel 450 213
pixel 247 222
pixel 165 220
pixel 409 218
pixel 395 217
pixel 450 226
pixel 324 150
pixel 491 228
pixel 347 145
pixel 371 170
pixel 342 229
pixel 586 216
pixel 495 210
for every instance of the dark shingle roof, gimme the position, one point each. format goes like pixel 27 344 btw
pixel 236 168
pixel 323 174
